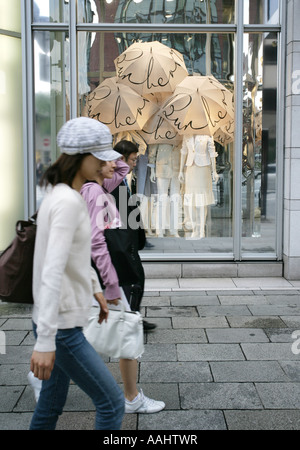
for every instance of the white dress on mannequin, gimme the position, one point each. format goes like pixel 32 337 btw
pixel 199 156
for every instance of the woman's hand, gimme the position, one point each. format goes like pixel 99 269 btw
pixel 103 307
pixel 41 364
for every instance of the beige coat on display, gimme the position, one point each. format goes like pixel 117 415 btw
pixel 164 160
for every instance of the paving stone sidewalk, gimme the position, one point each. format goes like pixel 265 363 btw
pixel 221 360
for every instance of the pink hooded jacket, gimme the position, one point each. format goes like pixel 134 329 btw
pixel 104 214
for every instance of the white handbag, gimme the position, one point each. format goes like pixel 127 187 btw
pixel 122 336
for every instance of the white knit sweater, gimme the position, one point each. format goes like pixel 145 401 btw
pixel 63 279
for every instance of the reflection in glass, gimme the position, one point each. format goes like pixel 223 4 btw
pixel 11 137
pixel 157 11
pixel 261 11
pixel 51 96
pixel 51 11
pixel 259 143
pixel 162 203
pixel 8 20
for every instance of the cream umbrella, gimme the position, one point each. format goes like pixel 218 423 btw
pixel 157 130
pixel 118 106
pixel 199 105
pixel 150 67
pixel 225 134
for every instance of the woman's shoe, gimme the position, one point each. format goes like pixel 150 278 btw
pixel 148 326
pixel 143 404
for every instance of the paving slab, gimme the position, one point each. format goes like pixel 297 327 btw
pixel 279 395
pixel 280 334
pixel 199 322
pixel 174 372
pixel 283 299
pixel 209 352
pixel 156 311
pixel 15 421
pixel 291 369
pixel 248 371
pixel 219 396
pixel 269 352
pixel 274 310
pixel 183 420
pixel 262 282
pixel 206 283
pixel 256 322
pixel 195 300
pixel 178 336
pixel 232 335
pixel 263 420
pixel 242 299
pixel 224 310
pixel 291 321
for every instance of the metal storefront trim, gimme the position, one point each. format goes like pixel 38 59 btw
pixel 28 110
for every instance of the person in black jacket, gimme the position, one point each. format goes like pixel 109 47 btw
pixel 134 293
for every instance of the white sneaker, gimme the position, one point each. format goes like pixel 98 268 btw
pixel 36 385
pixel 143 404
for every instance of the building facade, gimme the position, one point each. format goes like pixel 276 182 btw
pixel 56 53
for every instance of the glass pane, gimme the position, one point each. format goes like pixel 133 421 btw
pixel 156 11
pixel 11 138
pixel 259 144
pixel 52 89
pixel 10 17
pixel 164 202
pixel 261 11
pixel 51 11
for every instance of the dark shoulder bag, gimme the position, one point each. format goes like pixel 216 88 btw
pixel 16 264
pixel 122 253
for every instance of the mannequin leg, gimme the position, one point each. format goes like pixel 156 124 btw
pixel 163 205
pixel 174 206
pixel 203 217
pixel 199 224
pixel 144 209
pixel 192 217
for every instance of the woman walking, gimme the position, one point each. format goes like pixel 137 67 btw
pixel 104 214
pixel 64 283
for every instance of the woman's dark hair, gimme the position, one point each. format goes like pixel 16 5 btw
pixel 126 148
pixel 63 170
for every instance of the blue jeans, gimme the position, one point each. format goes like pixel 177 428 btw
pixel 76 359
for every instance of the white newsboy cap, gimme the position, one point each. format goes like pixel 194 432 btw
pixel 85 135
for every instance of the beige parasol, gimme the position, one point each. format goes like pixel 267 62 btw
pixel 150 67
pixel 225 134
pixel 199 105
pixel 118 106
pixel 157 130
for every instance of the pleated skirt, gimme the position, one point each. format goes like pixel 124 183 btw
pixel 198 186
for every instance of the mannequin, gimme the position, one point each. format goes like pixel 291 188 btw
pixel 164 160
pixel 199 156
